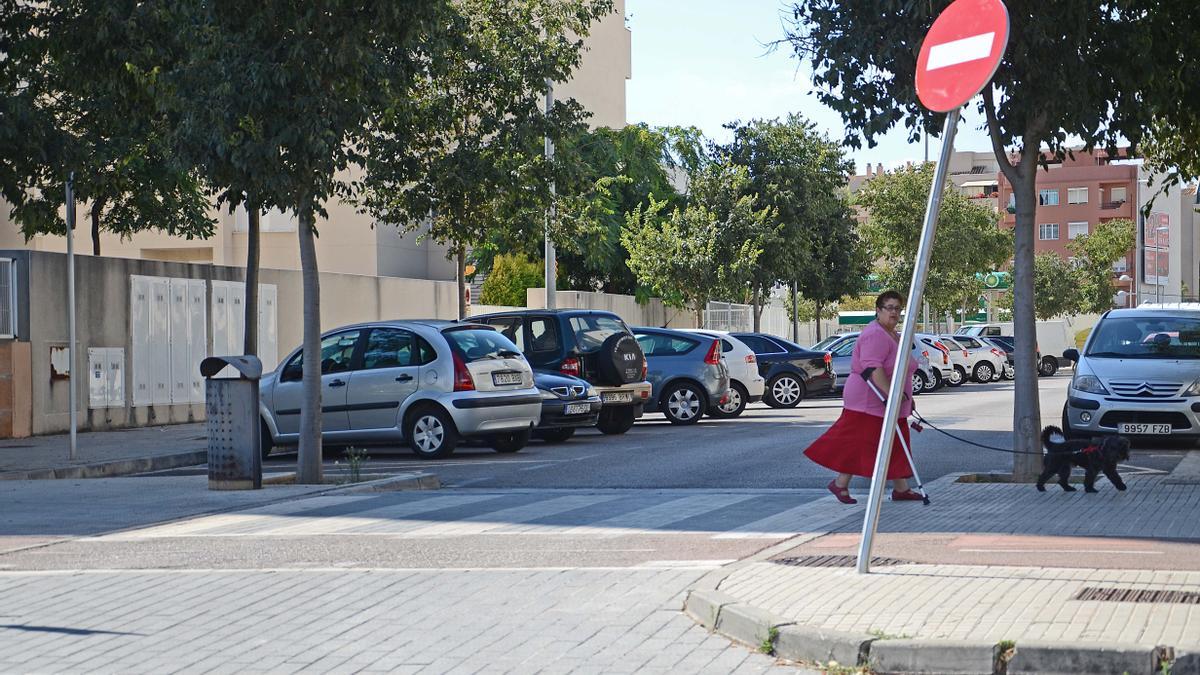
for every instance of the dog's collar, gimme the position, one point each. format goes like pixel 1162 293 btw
pixel 1090 448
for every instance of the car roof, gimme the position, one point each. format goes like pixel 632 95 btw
pixel 1158 309
pixel 557 310
pixel 435 324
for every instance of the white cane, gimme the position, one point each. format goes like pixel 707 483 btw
pixel 907 453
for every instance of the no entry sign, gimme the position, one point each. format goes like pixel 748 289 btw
pixel 961 53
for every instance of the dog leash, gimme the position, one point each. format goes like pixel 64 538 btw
pixel 925 422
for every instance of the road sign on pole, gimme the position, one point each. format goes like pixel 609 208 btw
pixel 960 55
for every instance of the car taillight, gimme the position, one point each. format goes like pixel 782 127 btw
pixel 965 354
pixel 571 366
pixel 645 371
pixel 713 357
pixel 925 353
pixel 997 352
pixel 462 376
pixel 751 358
pixel 828 358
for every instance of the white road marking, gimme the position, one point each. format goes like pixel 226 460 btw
pixel 964 50
pixel 1053 550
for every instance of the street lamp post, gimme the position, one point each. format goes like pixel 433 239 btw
pixel 1157 257
pixel 1126 279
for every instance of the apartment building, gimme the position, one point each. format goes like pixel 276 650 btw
pixel 360 245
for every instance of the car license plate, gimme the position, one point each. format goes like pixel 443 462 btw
pixel 577 409
pixel 506 378
pixel 1130 428
pixel 618 397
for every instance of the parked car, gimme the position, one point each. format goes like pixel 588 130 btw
pixel 842 349
pixel 791 371
pixel 960 360
pixel 1007 344
pixel 746 384
pixel 985 361
pixel 1053 334
pixel 568 403
pixel 941 365
pixel 427 383
pixel 687 373
pixel 595 346
pixel 1007 368
pixel 1138 375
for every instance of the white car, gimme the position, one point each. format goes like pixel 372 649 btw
pixel 984 362
pixel 746 385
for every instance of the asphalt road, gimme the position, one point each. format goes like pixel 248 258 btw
pixel 761 449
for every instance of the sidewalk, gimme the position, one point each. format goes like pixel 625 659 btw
pixel 104 453
pixel 990 578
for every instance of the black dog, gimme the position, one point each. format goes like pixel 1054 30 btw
pixel 1095 455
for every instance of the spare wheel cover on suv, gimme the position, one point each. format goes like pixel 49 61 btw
pixel 619 360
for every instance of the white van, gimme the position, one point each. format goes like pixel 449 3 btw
pixel 1053 338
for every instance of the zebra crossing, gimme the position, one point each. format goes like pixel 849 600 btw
pixel 583 513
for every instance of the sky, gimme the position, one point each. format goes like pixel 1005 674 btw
pixel 704 63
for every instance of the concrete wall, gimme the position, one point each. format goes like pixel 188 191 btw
pixel 103 320
pixel 653 313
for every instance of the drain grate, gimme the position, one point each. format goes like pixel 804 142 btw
pixel 1137 595
pixel 833 561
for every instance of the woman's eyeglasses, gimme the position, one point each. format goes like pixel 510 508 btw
pixel 892 308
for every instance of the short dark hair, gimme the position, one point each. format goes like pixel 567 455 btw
pixel 888 295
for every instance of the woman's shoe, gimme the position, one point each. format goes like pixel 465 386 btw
pixel 907 496
pixel 842 493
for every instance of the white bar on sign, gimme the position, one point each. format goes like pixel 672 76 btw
pixel 960 51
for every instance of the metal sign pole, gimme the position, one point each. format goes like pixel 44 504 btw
pixel 72 387
pixel 883 453
pixel 551 215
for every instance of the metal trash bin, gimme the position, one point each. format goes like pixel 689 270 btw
pixel 231 411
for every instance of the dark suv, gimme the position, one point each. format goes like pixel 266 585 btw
pixel 593 345
pixel 791 371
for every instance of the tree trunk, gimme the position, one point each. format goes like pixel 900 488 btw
pixel 97 208
pixel 250 345
pixel 795 315
pixel 1027 416
pixel 754 309
pixel 461 256
pixel 700 313
pixel 308 469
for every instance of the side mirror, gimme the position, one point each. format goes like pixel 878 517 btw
pixel 1071 355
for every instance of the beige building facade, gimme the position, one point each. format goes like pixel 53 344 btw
pixel 353 243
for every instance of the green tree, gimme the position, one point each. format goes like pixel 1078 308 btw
pixel 801 175
pixel 275 100
pixel 864 61
pixel 968 238
pixel 705 250
pixel 511 275
pixel 1056 288
pixel 462 153
pixel 1095 254
pixel 72 106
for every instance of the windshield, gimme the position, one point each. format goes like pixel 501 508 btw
pixel 591 330
pixel 1153 337
pixel 824 344
pixel 476 344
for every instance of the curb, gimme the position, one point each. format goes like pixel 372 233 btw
pixel 771 634
pixel 118 467
pixel 386 483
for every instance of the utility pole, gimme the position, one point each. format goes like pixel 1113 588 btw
pixel 72 387
pixel 551 213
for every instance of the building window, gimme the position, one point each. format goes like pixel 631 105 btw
pixel 8 298
pixel 1077 195
pixel 1077 229
pixel 1121 266
pixel 1117 194
pixel 1048 231
pixel 1048 197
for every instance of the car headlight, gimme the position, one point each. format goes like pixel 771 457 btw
pixel 1193 390
pixel 1089 384
pixel 592 392
pixel 547 395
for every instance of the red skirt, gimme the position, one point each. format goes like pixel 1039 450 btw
pixel 849 446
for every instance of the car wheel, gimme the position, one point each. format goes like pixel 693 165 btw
pixel 510 442
pixel 560 435
pixel 984 372
pixel 1047 367
pixel 615 420
pixel 784 391
pixel 918 383
pixel 1066 425
pixel 265 443
pixel 431 434
pixel 683 403
pixel 1008 372
pixel 957 376
pixel 735 405
pixel 938 380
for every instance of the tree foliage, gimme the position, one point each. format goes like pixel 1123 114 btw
pixel 1056 287
pixel 71 106
pixel 1095 254
pixel 968 239
pixel 511 275
pixel 705 250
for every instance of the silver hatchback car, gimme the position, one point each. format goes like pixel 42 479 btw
pixel 687 373
pixel 427 383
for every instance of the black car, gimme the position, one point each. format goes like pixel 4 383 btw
pixel 1007 344
pixel 593 345
pixel 568 403
pixel 791 371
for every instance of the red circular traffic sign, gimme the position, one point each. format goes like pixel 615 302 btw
pixel 961 52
